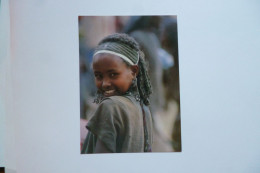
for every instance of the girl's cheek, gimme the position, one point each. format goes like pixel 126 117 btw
pixel 98 84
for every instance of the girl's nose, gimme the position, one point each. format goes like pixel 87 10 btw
pixel 106 84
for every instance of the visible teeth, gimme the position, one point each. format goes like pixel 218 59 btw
pixel 109 91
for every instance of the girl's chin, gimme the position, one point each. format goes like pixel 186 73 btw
pixel 111 93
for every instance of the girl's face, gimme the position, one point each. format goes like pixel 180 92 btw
pixel 112 75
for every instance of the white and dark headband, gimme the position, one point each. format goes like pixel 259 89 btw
pixel 124 51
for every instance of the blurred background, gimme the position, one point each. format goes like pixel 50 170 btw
pixel 158 39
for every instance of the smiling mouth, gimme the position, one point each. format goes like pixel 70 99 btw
pixel 109 93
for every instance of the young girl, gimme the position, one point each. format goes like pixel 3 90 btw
pixel 122 122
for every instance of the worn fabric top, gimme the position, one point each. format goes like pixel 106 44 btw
pixel 118 123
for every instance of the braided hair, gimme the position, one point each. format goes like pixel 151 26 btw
pixel 143 80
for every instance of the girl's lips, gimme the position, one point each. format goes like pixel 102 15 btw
pixel 109 93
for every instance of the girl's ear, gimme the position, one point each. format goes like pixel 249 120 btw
pixel 135 70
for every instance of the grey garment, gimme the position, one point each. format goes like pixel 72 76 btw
pixel 118 123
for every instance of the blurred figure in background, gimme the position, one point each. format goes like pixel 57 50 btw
pixel 169 40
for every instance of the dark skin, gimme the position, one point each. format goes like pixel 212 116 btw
pixel 112 77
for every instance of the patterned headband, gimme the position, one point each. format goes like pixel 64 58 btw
pixel 125 52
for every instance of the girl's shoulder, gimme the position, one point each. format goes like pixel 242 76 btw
pixel 115 100
pixel 117 108
pixel 119 102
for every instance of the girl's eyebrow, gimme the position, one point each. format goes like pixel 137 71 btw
pixel 108 71
pixel 112 70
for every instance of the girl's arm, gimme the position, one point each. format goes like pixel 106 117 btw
pixel 101 148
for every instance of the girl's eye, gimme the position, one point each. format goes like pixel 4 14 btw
pixel 113 75
pixel 98 76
